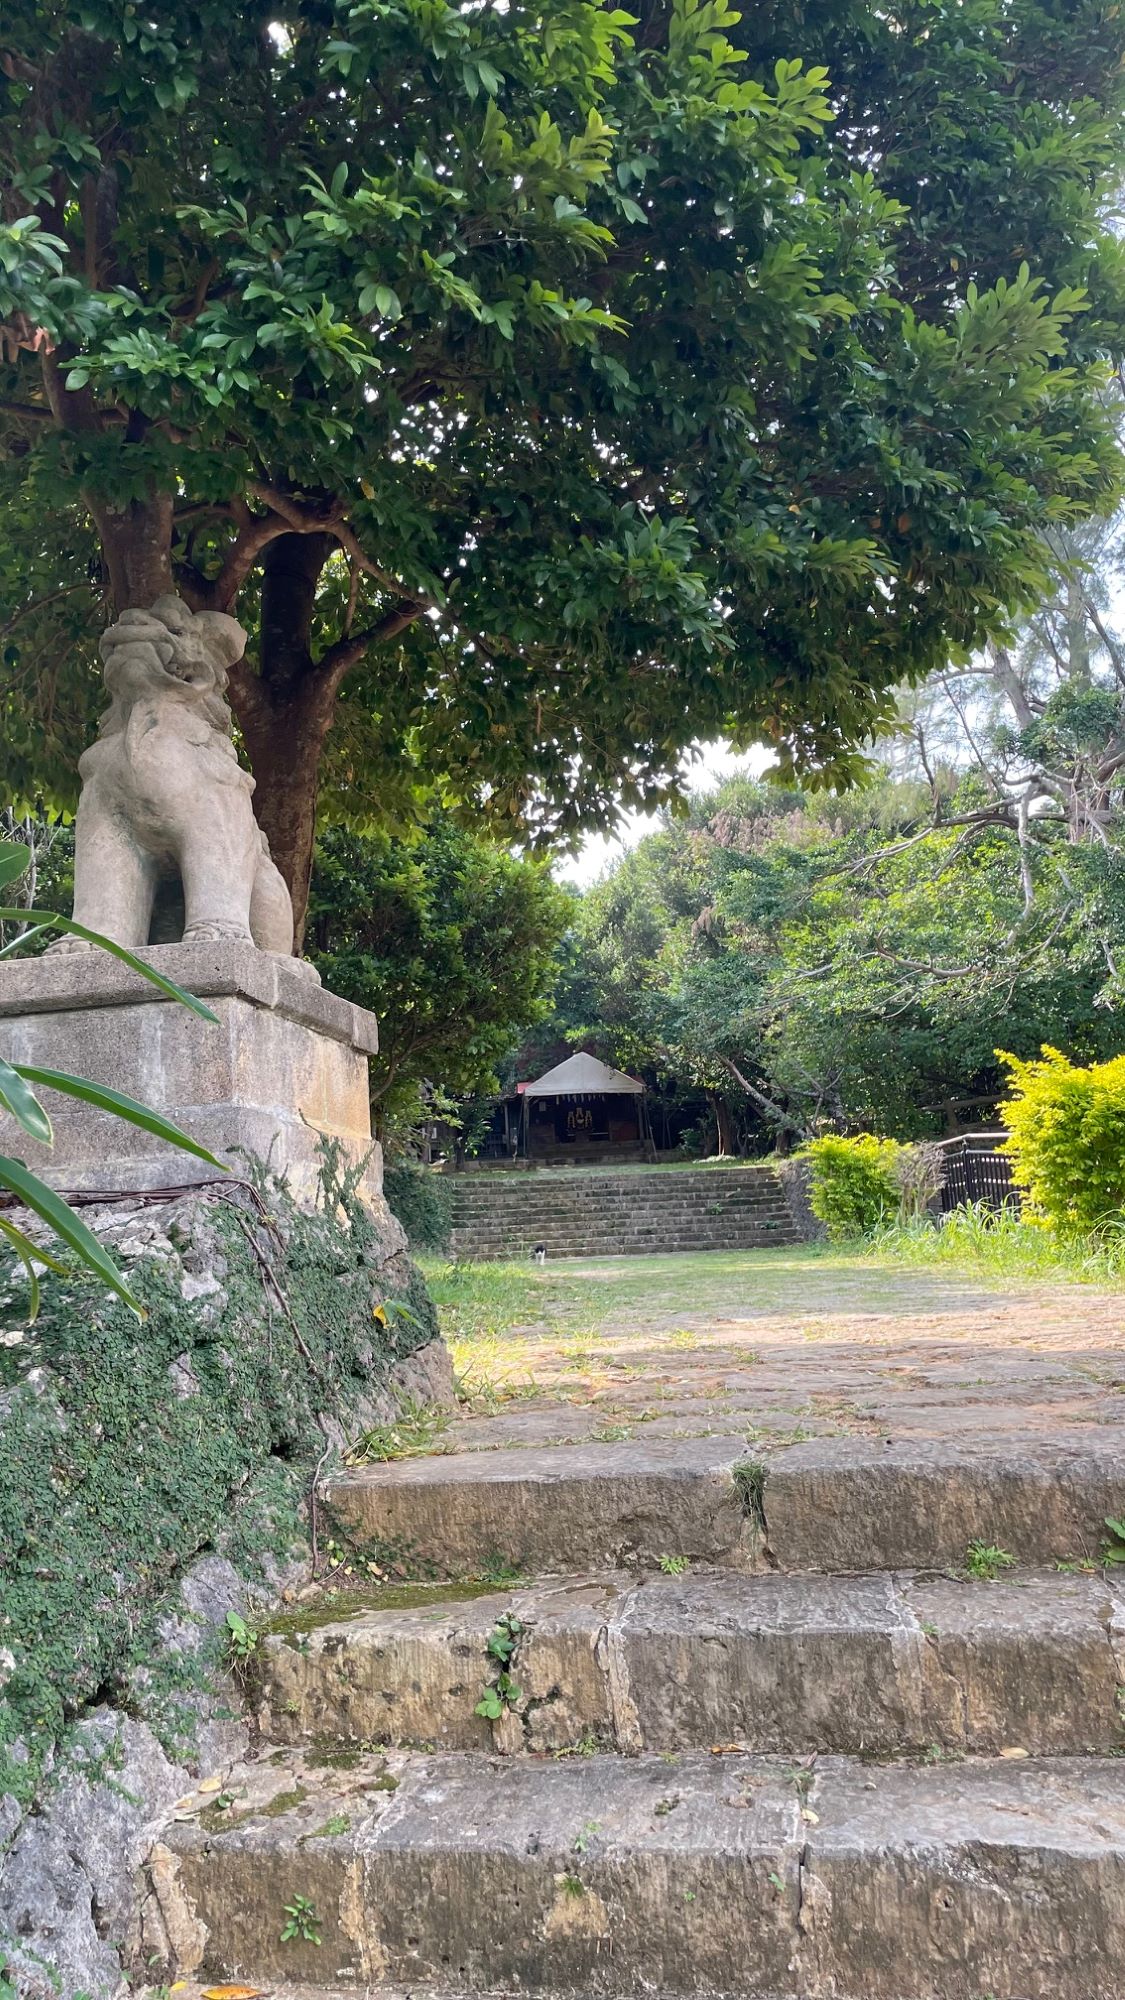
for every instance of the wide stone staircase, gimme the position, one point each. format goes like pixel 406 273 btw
pixel 761 1727
pixel 584 1212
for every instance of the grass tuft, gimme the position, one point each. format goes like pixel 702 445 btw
pixel 998 1247
pixel 417 1430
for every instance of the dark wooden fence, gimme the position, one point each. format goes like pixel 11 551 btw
pixel 976 1172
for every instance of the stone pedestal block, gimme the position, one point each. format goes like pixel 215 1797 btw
pixel 285 1063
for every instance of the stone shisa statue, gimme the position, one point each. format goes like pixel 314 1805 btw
pixel 170 862
pixel 165 803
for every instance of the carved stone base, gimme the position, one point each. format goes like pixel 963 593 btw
pixel 286 1063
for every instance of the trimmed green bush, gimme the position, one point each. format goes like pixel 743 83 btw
pixel 1066 1127
pixel 422 1201
pixel 854 1186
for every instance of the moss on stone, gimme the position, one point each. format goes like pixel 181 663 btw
pixel 128 1447
pixel 335 1607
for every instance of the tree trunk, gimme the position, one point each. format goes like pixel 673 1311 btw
pixel 724 1124
pixel 285 711
pixel 284 740
pixel 137 546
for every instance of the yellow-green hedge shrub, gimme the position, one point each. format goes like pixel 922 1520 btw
pixel 854 1186
pixel 1066 1128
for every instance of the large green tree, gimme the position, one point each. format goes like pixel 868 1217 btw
pixel 810 962
pixel 545 384
pixel 450 940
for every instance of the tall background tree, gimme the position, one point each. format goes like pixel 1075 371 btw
pixel 450 941
pixel 545 385
pixel 808 962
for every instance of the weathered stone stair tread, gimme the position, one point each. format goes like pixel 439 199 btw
pixel 696 1875
pixel 830 1504
pixel 792 1664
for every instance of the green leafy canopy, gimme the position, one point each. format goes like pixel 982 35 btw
pixel 644 373
pixel 449 940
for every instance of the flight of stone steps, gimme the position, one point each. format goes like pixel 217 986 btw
pixel 583 1212
pixel 761 1736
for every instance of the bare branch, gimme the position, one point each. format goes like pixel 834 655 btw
pixel 41 603
pixel 773 1111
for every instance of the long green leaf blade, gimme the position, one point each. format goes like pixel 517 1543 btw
pixel 25 1249
pixel 30 1254
pixel 43 1201
pixel 34 1249
pixel 15 860
pixel 17 1096
pixel 48 920
pixel 17 943
pixel 119 1104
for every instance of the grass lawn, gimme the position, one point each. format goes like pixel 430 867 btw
pixel 910 1271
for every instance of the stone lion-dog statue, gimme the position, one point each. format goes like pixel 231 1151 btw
pixel 165 804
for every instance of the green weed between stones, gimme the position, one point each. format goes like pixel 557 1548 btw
pixel 750 1486
pixel 501 1692
pixel 984 1562
pixel 1113 1543
pixel 301 1921
pixel 127 1448
pixel 416 1431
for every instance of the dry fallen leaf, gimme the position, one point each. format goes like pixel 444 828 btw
pixel 727 1749
pixel 808 1814
pixel 1014 1750
pixel 209 1785
pixel 232 1992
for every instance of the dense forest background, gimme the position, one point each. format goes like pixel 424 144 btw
pixel 779 962
pixel 773 962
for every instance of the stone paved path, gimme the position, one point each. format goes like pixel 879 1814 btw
pixel 866 1353
pixel 770 1729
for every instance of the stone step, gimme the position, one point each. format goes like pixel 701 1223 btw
pixel 696 1875
pixel 831 1504
pixel 627 1219
pixel 551 1218
pixel 591 1214
pixel 604 1217
pixel 605 1169
pixel 598 1213
pixel 520 1243
pixel 613 1211
pixel 799 1664
pixel 559 1199
pixel 527 1223
pixel 503 1228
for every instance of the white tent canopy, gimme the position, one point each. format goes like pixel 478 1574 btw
pixel 584 1076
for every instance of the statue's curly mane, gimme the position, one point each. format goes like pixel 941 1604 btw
pixel 208 702
pixel 203 642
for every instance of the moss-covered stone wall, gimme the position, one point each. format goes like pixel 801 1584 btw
pixel 128 1446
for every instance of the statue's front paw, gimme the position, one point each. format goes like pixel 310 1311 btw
pixel 217 932
pixel 68 947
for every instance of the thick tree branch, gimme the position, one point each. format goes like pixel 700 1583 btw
pixel 773 1111
pixel 255 533
pixel 338 659
pixel 1005 675
pixel 305 519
